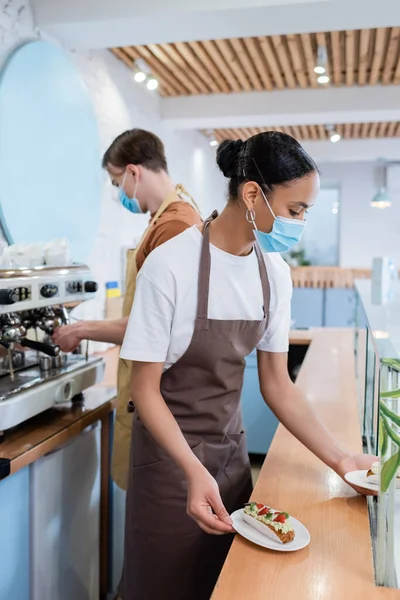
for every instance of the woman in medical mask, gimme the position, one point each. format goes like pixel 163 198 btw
pixel 137 166
pixel 203 302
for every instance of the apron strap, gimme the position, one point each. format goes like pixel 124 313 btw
pixel 205 270
pixel 264 279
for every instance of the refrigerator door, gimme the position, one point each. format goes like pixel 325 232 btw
pixel 65 516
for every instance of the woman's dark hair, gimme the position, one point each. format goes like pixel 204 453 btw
pixel 136 147
pixel 270 158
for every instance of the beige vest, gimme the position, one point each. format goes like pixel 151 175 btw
pixel 123 419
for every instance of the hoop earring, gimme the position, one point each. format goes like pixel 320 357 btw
pixel 251 216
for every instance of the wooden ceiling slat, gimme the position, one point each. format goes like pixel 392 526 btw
pixel 347 131
pixel 364 130
pixel 380 42
pixel 246 64
pixel 198 69
pixel 162 74
pixel 392 55
pixel 356 130
pixel 321 132
pixel 391 130
pixel 213 50
pixel 286 130
pixel 350 56
pixel 253 48
pixel 309 58
pixel 284 61
pixel 363 58
pixel 336 58
pixel 296 132
pixel 233 65
pixel 313 132
pixel 382 130
pixel 209 65
pixel 178 64
pixel 299 64
pixel 305 134
pixel 237 133
pixel 373 130
pixel 396 76
pixel 322 41
pixel 397 134
pixel 166 61
pixel 272 63
pixel 120 53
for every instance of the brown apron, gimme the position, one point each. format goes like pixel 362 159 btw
pixel 123 420
pixel 167 555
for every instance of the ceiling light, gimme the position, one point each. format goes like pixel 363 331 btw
pixel 319 69
pixel 140 76
pixel 323 79
pixel 322 62
pixel 381 199
pixel 152 83
pixel 335 137
pixel 213 142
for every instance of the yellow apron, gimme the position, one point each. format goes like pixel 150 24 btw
pixel 123 419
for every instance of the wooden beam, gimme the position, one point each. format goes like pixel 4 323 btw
pixel 321 132
pixel 363 58
pixel 356 130
pixel 347 131
pixel 245 63
pixel 233 65
pixel 178 63
pixel 213 50
pixel 273 65
pixel 166 63
pixel 391 130
pixel 336 58
pixel 350 57
pixel 364 130
pixel 396 77
pixel 163 75
pixel 297 56
pixel 397 134
pixel 379 55
pixel 119 53
pixel 373 130
pixel 304 132
pixel 310 59
pixel 382 130
pixel 283 59
pixel 199 70
pixel 391 55
pixel 209 65
pixel 258 59
pixel 296 132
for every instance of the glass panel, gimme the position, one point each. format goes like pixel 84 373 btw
pixel 321 237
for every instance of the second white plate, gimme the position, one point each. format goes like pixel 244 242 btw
pixel 359 478
pixel 301 540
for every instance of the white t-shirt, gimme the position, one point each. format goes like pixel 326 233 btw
pixel 162 319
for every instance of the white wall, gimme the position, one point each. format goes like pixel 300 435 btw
pixel 120 103
pixel 365 232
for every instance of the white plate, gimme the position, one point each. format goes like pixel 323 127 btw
pixel 359 478
pixel 301 540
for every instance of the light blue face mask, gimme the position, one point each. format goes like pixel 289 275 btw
pixel 131 204
pixel 285 233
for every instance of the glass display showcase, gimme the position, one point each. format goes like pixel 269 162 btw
pixel 377 354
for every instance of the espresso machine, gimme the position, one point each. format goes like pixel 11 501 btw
pixel 34 374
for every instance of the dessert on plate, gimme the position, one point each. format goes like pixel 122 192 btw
pixel 373 475
pixel 273 523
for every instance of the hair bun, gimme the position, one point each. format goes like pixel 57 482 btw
pixel 227 156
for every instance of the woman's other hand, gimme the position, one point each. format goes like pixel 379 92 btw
pixel 205 505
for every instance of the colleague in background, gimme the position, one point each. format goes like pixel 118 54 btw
pixel 137 165
pixel 203 302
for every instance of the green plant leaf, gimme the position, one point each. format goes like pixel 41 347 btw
pixel 391 394
pixel 389 470
pixel 392 362
pixel 393 436
pixel 389 413
pixel 383 439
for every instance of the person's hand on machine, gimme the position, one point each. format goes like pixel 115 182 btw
pixel 67 337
